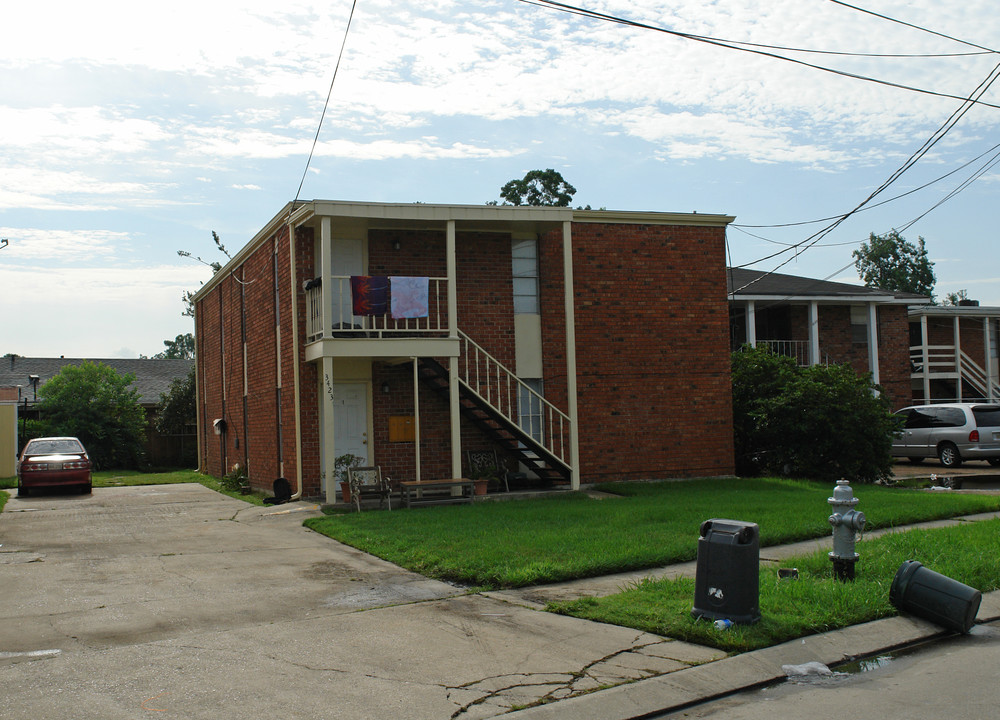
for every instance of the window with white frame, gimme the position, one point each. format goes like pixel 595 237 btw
pixel 524 259
pixel 859 324
pixel 531 419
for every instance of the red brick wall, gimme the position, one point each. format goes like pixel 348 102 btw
pixel 652 349
pixel 246 296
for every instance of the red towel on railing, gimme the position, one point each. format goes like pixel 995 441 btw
pixel 369 294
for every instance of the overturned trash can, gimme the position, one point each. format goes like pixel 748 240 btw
pixel 934 597
pixel 727 582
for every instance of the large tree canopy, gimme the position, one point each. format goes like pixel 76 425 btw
pixel 93 402
pixel 180 348
pixel 891 262
pixel 538 187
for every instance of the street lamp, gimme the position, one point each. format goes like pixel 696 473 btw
pixel 34 387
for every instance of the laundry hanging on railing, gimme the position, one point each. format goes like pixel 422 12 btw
pixel 409 296
pixel 370 294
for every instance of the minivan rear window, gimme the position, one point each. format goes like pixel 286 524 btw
pixel 987 415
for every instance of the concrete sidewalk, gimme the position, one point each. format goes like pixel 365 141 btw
pixel 177 600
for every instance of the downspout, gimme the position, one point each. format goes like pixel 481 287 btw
pixel 276 304
pixel 199 406
pixel 222 360
pixel 243 340
pixel 293 282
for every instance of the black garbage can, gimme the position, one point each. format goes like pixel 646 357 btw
pixel 727 583
pixel 934 597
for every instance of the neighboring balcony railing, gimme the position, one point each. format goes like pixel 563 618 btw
pixel 798 350
pixel 345 324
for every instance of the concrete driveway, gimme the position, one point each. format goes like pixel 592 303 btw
pixel 174 601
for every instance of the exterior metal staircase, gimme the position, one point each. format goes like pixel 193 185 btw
pixel 494 414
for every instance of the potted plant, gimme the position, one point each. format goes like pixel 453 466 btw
pixel 340 467
pixel 480 480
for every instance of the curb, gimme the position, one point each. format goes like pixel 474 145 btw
pixel 695 685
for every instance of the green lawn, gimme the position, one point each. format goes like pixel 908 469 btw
pixel 527 542
pixel 815 602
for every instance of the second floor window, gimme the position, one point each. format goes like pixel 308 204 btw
pixel 525 265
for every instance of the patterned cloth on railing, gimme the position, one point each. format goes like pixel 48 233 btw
pixel 409 296
pixel 369 294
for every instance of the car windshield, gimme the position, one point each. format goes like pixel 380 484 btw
pixel 53 447
pixel 987 415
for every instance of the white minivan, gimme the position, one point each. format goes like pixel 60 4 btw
pixel 951 432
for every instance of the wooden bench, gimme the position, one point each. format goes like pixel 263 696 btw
pixel 414 492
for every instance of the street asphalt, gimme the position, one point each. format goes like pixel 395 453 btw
pixel 174 601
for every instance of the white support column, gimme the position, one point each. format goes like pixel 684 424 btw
pixel 925 358
pixel 325 273
pixel 988 345
pixel 751 320
pixel 454 409
pixel 571 388
pixel 813 333
pixel 416 420
pixel 957 339
pixel 873 342
pixel 329 448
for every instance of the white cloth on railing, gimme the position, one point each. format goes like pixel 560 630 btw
pixel 409 296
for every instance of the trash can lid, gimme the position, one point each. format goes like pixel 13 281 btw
pixel 742 532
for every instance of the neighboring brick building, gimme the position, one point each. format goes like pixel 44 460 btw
pixel 584 346
pixel 953 353
pixel 822 322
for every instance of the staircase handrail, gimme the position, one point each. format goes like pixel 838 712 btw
pixel 497 386
pixel 976 376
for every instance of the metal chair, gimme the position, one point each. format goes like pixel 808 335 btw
pixel 485 463
pixel 368 482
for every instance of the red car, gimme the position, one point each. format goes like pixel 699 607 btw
pixel 54 462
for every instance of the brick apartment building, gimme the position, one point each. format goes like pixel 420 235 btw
pixel 825 323
pixel 582 346
pixel 953 353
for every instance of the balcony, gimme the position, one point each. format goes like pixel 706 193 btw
pixel 344 334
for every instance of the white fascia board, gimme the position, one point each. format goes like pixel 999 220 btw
pixel 826 299
pixel 625 217
pixel 953 311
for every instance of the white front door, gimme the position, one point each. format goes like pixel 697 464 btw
pixel 350 419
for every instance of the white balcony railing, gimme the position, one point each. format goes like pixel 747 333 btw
pixel 344 323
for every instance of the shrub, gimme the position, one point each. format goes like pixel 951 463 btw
pixel 823 422
pixel 93 402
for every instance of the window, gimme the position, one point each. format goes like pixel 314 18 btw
pixel 859 324
pixel 524 260
pixel 529 409
pixel 948 417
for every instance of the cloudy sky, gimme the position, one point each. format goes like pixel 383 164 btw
pixel 131 131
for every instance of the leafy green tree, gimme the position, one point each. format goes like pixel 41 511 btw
pixel 177 406
pixel 177 414
pixel 93 402
pixel 180 348
pixel 956 298
pixel 891 262
pixel 822 422
pixel 538 187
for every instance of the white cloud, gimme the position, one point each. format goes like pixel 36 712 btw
pixel 33 245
